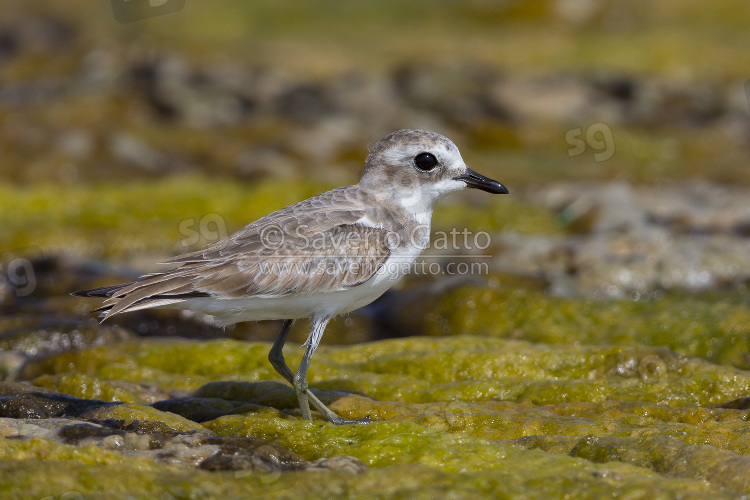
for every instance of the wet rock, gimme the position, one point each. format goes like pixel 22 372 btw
pixel 18 400
pixel 247 453
pixel 345 464
pixel 393 314
pixel 720 467
pixel 148 77
pixel 160 443
pixel 91 433
pixel 21 406
pixel 609 208
pixel 305 103
pixel 265 160
pixel 634 242
pixel 558 370
pixel 84 386
pixel 276 395
pixel 433 395
pixel 41 336
pixel 543 99
pixel 40 33
pixel 25 401
pixel 202 409
pixel 134 151
pixel 128 411
pixel 736 404
pixel 78 144
pixel 508 307
pixel 26 413
pixel 424 88
pixel 683 104
pixel 697 207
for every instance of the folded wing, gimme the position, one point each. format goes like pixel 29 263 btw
pixel 315 246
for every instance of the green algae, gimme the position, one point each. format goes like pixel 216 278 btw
pixel 717 330
pixel 430 369
pixel 404 482
pixel 482 387
pixel 86 387
pixel 671 457
pixel 494 215
pixel 491 414
pixel 91 472
pixel 440 392
pixel 512 423
pixel 451 462
pixel 130 411
pixel 436 462
pixel 471 461
pixel 103 220
pixel 41 449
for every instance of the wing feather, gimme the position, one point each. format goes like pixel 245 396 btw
pixel 315 246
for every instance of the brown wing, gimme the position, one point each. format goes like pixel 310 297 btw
pixel 311 247
pixel 312 216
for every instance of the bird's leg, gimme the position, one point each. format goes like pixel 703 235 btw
pixel 276 354
pixel 304 395
pixel 300 383
pixel 276 357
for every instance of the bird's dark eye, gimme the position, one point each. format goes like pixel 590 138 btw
pixel 425 161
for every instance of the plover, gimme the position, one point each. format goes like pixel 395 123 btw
pixel 325 256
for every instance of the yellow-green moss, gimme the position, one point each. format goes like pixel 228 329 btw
pixel 471 461
pixel 442 401
pixel 717 330
pixel 105 220
pixel 494 215
pixel 130 411
pixel 440 369
pixel 86 387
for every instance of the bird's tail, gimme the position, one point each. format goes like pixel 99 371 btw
pixel 152 290
pixel 105 292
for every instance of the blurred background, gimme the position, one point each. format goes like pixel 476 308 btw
pixel 131 131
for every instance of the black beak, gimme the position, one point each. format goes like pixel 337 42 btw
pixel 475 180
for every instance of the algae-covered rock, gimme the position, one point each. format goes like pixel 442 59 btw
pixel 119 460
pixel 672 457
pixel 428 369
pixel 129 411
pixel 520 393
pixel 474 464
pixel 201 409
pixel 130 142
pixel 18 401
pixel 86 387
pixel 516 308
pixel 79 437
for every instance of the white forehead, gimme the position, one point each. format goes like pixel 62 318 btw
pixel 403 152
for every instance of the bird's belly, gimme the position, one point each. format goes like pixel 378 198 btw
pixel 259 308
